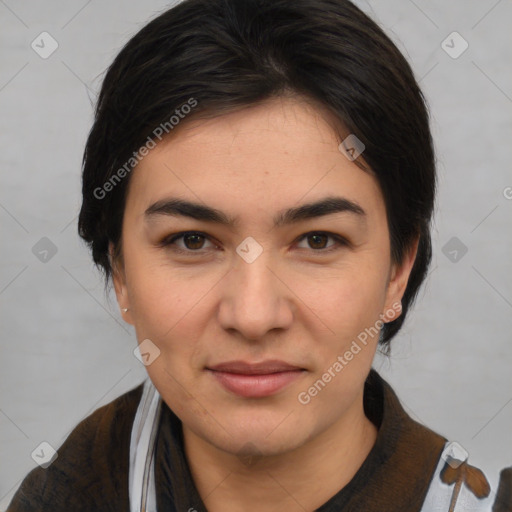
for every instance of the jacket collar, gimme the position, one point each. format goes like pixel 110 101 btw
pixel 395 476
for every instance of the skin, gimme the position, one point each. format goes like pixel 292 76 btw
pixel 295 302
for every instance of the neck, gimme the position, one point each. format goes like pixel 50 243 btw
pixel 302 479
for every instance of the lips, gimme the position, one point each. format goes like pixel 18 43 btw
pixel 263 368
pixel 255 380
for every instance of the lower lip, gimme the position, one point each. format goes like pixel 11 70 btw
pixel 256 386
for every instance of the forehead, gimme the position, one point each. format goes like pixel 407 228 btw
pixel 264 157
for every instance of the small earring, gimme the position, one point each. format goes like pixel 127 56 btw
pixel 125 310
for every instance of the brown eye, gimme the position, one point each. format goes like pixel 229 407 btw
pixel 187 242
pixel 193 241
pixel 318 241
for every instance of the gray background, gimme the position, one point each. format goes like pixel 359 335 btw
pixel 64 348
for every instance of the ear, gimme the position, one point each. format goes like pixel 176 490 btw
pixel 119 280
pixel 397 285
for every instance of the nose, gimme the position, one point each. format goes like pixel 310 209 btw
pixel 255 299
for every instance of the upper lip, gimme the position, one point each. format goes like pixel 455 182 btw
pixel 262 368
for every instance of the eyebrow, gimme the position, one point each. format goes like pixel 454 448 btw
pixel 183 208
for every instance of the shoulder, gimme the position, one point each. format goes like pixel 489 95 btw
pixel 424 463
pixel 91 467
pixel 457 485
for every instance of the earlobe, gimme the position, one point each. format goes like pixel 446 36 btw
pixel 398 281
pixel 119 281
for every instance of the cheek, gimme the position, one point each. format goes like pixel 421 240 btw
pixel 165 306
pixel 162 296
pixel 170 313
pixel 347 297
pixel 172 308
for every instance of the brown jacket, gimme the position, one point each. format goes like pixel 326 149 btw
pixel 91 470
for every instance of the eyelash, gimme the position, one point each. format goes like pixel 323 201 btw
pixel 170 241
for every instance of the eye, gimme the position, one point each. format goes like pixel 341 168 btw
pixel 317 240
pixel 189 241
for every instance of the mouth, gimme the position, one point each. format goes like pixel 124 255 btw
pixel 255 380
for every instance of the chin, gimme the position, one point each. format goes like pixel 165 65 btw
pixel 265 439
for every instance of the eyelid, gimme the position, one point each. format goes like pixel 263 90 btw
pixel 340 241
pixel 170 240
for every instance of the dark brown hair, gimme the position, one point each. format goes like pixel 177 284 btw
pixel 227 54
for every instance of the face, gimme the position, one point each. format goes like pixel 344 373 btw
pixel 262 310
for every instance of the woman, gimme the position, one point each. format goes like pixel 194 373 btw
pixel 258 185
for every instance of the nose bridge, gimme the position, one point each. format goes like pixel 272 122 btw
pixel 254 300
pixel 256 281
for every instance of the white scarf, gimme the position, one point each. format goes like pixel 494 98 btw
pixel 142 471
pixel 142 464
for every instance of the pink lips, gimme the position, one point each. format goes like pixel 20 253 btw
pixel 255 380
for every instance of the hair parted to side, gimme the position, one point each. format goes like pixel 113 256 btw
pixel 230 54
